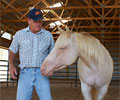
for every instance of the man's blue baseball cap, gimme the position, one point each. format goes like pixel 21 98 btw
pixel 35 14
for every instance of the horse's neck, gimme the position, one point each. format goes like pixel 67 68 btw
pixel 89 61
pixel 91 50
pixel 81 51
pixel 78 43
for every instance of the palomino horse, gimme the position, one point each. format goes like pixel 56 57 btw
pixel 95 65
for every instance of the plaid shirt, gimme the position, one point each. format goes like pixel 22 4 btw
pixel 33 48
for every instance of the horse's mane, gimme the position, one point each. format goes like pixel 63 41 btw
pixel 90 46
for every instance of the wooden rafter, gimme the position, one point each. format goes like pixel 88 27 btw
pixel 96 17
pixel 90 14
pixel 61 14
pixel 107 2
pixel 9 4
pixel 103 14
pixel 52 11
pixel 70 15
pixel 58 8
pixel 28 10
pixel 98 2
pixel 115 13
pixel 56 19
pixel 63 9
pixel 75 21
pixel 12 7
pixel 76 27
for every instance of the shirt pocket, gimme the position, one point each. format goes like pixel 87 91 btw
pixel 44 47
pixel 25 46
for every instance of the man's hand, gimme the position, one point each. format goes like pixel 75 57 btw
pixel 13 72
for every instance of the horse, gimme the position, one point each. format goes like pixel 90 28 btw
pixel 95 65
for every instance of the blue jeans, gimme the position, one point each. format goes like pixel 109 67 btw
pixel 30 78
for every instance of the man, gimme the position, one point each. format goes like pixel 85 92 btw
pixel 33 44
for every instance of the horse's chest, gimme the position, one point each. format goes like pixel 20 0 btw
pixel 90 77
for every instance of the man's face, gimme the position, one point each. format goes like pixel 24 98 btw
pixel 35 26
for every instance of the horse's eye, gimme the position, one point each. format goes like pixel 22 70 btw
pixel 62 48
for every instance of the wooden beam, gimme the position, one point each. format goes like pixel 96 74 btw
pixel 115 13
pixel 103 16
pixel 98 2
pixel 107 2
pixel 63 9
pixel 56 19
pixel 30 2
pixel 52 11
pixel 10 4
pixel 91 15
pixel 70 16
pixel 60 15
pixel 4 42
pixel 81 18
pixel 75 21
pixel 108 12
pixel 77 27
pixel 86 1
pixel 96 32
pixel 12 7
pixel 93 26
pixel 4 30
pixel 29 10
pixel 58 8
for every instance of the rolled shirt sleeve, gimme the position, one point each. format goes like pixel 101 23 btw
pixel 14 45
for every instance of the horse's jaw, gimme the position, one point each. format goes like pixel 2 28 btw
pixel 49 67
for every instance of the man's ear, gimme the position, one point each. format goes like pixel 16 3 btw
pixel 28 20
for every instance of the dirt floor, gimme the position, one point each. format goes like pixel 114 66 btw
pixel 61 92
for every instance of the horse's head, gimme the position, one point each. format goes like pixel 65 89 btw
pixel 64 53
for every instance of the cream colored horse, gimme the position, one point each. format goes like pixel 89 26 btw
pixel 95 65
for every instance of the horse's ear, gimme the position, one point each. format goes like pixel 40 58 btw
pixel 61 30
pixel 67 28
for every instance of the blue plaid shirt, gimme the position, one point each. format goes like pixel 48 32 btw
pixel 33 48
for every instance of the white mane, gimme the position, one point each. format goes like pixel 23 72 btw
pixel 90 46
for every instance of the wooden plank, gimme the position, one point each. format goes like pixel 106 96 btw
pixel 58 8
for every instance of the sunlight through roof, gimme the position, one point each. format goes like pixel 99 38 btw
pixel 6 35
pixel 52 25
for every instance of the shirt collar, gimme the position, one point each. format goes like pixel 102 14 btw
pixel 28 30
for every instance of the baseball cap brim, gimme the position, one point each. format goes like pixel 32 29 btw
pixel 37 18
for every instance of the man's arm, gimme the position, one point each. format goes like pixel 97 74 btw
pixel 13 71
